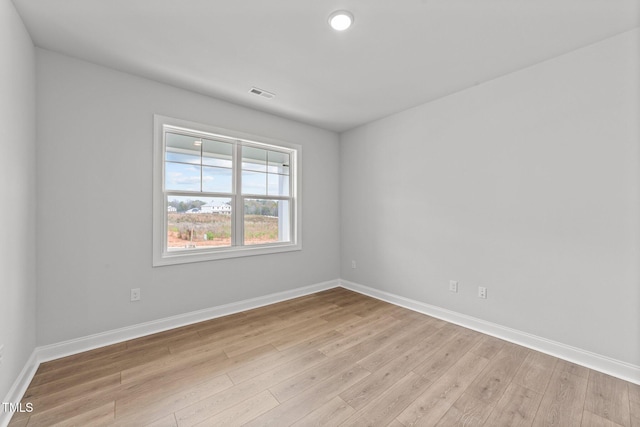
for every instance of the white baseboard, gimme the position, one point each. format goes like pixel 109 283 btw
pixel 597 362
pixel 19 387
pixel 79 345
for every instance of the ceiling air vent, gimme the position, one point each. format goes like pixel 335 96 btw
pixel 262 93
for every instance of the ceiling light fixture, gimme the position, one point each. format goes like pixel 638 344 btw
pixel 340 20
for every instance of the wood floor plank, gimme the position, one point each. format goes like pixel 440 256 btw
pixel 101 416
pixel 273 360
pixel 81 357
pixel 516 408
pixel 341 313
pixel 222 323
pixel 307 379
pixel 380 380
pixel 477 402
pixel 311 399
pixel 424 341
pixel 366 344
pixel 91 370
pixel 231 333
pixel 19 420
pixel 334 412
pixel 379 317
pixel 208 407
pixel 589 419
pixel 431 405
pixel 155 404
pixel 634 392
pixel 635 413
pixel 177 365
pixel 355 302
pixel 166 338
pixel 244 411
pixel 244 345
pixel 372 308
pixel 167 382
pixel 467 412
pixel 284 342
pixel 346 301
pixel 488 347
pixel 490 385
pixel 438 363
pixel 50 398
pixel 572 368
pixel 383 409
pixel 119 359
pixel 406 314
pixel 608 397
pixel 536 371
pixel 563 401
pixel 231 363
pixel 73 408
pixel 166 421
pixel 282 306
pixel 314 311
pixel 384 376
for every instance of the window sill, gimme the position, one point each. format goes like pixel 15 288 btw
pixel 185 257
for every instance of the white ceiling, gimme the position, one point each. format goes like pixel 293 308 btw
pixel 398 54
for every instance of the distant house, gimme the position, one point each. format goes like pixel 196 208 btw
pixel 171 209
pixel 216 207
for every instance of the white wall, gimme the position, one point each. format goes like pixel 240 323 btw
pixel 527 185
pixel 94 206
pixel 17 195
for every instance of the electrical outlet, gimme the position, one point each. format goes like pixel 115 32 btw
pixel 135 294
pixel 482 292
pixel 353 264
pixel 453 286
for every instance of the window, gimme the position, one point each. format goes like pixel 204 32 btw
pixel 222 194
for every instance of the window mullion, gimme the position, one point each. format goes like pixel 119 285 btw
pixel 238 201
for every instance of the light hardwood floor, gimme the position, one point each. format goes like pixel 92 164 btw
pixel 331 358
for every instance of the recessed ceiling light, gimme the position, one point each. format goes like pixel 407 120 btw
pixel 197 142
pixel 340 20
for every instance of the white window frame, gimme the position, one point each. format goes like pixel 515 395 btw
pixel 161 256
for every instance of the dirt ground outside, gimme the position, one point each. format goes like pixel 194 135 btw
pixel 184 230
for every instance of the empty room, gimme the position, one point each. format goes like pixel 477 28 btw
pixel 337 213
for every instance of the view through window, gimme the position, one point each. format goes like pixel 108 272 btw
pixel 222 194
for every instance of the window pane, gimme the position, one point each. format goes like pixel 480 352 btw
pixel 254 159
pixel 266 221
pixel 216 180
pixel 216 153
pixel 278 162
pixel 254 183
pixel 182 177
pixel 198 222
pixel 182 148
pixel 278 185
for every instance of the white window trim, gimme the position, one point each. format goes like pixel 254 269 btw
pixel 162 257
